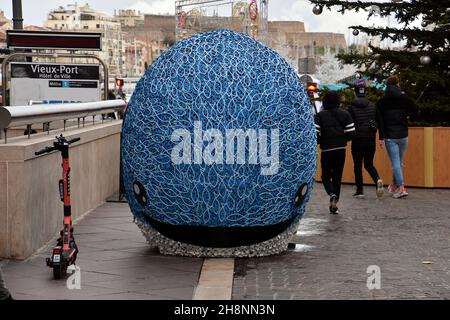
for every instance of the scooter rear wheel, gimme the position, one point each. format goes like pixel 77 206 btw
pixel 59 271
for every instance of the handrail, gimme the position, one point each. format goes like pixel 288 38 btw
pixel 40 113
pixel 46 113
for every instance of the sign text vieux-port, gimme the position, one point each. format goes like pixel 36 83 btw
pixel 55 71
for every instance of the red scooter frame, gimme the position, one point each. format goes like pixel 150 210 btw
pixel 65 252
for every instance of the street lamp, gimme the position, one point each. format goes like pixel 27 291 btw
pixel 17 15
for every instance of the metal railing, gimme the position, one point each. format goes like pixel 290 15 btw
pixel 45 113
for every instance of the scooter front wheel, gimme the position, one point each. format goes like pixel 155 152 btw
pixel 59 271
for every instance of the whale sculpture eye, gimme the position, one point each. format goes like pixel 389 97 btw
pixel 139 193
pixel 300 195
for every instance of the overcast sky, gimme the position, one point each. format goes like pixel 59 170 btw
pixel 35 12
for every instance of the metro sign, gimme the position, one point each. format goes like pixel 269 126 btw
pixel 24 39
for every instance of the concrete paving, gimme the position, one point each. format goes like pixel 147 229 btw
pixel 216 280
pixel 407 239
pixel 115 263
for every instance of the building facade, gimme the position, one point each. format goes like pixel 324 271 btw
pixel 5 24
pixel 157 33
pixel 129 18
pixel 132 40
pixel 137 57
pixel 85 19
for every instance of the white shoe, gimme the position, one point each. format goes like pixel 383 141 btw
pixel 380 188
pixel 392 188
pixel 401 193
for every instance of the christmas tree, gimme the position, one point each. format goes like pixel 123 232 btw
pixel 422 57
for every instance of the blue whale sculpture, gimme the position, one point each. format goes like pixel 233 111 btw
pixel 218 149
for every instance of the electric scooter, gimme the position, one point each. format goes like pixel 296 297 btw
pixel 65 252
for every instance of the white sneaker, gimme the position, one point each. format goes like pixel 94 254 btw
pixel 401 193
pixel 380 188
pixel 392 188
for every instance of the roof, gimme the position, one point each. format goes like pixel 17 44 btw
pixel 36 28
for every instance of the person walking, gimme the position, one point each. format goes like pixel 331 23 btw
pixel 366 119
pixel 334 127
pixel 4 292
pixel 395 108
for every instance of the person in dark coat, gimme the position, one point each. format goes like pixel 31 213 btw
pixel 395 108
pixel 334 127
pixel 367 121
pixel 111 96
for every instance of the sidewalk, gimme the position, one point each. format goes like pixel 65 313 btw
pixel 409 239
pixel 115 262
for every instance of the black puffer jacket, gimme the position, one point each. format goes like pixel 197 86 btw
pixel 362 111
pixel 334 128
pixel 394 109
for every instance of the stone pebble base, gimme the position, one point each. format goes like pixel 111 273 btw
pixel 168 246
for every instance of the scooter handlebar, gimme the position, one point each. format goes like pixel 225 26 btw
pixel 54 147
pixel 73 140
pixel 45 150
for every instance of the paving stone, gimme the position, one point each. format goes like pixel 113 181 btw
pixel 396 235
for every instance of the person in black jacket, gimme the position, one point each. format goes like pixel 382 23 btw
pixel 334 128
pixel 395 108
pixel 367 121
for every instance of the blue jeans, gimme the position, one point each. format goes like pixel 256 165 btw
pixel 396 150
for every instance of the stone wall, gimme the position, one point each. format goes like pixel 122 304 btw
pixel 323 39
pixel 166 22
pixel 287 26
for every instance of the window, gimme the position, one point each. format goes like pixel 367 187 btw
pixel 97 26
